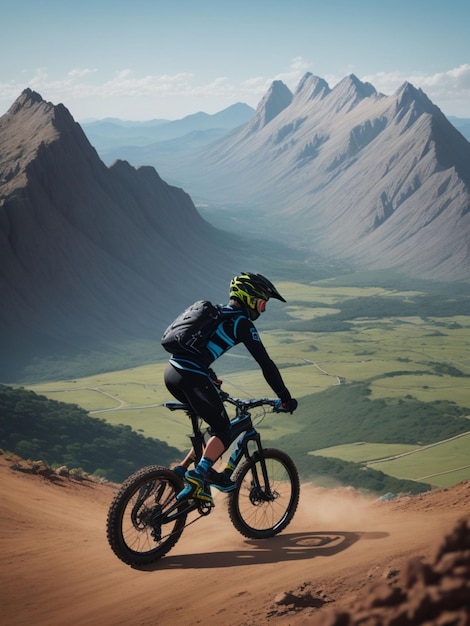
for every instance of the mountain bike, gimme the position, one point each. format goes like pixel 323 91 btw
pixel 145 519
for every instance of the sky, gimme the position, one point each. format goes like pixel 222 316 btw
pixel 165 59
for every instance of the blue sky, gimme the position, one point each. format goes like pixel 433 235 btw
pixel 146 59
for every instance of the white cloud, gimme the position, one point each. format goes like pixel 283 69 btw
pixel 450 89
pixel 126 92
pixel 80 72
pixel 457 78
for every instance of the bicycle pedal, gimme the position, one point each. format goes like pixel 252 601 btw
pixel 204 508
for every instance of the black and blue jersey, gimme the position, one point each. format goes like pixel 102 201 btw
pixel 235 327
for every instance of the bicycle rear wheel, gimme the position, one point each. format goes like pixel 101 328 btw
pixel 257 510
pixel 137 530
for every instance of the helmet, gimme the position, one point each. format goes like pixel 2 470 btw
pixel 249 288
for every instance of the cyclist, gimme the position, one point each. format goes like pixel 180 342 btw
pixel 190 379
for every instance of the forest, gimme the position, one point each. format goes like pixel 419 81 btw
pixel 57 433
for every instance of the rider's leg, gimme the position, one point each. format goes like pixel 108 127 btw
pixel 199 391
pixel 220 481
pixel 173 380
pixel 198 478
pixel 214 449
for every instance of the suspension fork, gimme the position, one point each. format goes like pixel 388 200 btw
pixel 258 454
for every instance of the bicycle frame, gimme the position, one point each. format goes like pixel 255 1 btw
pixel 146 518
pixel 243 432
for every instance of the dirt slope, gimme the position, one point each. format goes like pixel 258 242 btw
pixel 56 567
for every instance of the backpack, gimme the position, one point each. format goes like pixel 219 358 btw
pixel 192 329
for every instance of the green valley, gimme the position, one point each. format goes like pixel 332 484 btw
pixel 386 367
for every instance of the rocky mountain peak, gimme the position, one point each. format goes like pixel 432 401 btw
pixel 276 99
pixel 28 98
pixel 409 96
pixel 379 181
pixel 311 87
pixel 29 126
pixel 31 106
pixel 349 92
pixel 90 253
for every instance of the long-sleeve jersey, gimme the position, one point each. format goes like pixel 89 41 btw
pixel 235 328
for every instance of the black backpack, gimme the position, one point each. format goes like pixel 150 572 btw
pixel 192 329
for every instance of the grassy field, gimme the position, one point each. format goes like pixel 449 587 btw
pixel 441 465
pixel 397 355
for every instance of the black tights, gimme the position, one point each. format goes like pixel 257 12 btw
pixel 200 393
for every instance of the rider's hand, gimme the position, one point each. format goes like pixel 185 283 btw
pixel 290 405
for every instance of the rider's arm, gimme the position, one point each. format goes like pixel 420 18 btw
pixel 248 335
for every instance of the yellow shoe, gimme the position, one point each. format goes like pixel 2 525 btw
pixel 195 487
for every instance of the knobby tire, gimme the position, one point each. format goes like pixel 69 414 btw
pixel 254 514
pixel 133 526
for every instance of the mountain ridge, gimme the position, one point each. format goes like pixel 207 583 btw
pixel 90 253
pixel 377 181
pixel 349 172
pixel 116 133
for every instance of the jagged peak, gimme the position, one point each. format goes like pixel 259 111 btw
pixel 276 99
pixel 408 94
pixel 410 104
pixel 30 124
pixel 32 105
pixel 312 86
pixel 350 91
pixel 29 100
pixel 123 168
pixel 29 95
pixel 406 87
pixel 352 82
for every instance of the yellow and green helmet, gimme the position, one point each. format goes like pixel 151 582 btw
pixel 249 288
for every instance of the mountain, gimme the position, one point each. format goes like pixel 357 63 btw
pixel 91 254
pixel 276 100
pixel 111 134
pixel 370 180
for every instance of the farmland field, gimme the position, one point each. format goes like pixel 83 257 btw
pixel 327 335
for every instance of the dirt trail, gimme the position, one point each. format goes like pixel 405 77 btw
pixel 56 567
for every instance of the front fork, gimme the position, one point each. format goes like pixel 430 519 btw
pixel 260 486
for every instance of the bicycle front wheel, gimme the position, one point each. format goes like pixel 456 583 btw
pixel 139 529
pixel 258 509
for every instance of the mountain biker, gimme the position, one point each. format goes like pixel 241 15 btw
pixel 190 379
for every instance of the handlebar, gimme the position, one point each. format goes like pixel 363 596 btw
pixel 247 404
pixel 242 404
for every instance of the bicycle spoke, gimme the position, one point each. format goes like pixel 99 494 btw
pixel 138 526
pixel 260 510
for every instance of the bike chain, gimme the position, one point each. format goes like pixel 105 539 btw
pixel 205 514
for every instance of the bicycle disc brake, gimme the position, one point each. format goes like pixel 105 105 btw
pixel 259 495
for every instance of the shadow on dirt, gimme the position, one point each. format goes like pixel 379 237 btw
pixel 287 547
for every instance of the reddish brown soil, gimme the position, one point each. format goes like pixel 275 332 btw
pixel 345 559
